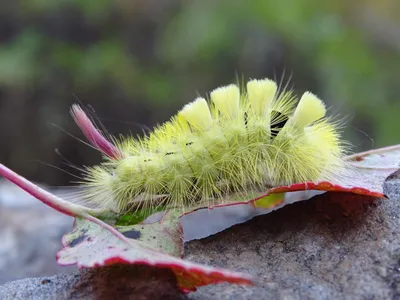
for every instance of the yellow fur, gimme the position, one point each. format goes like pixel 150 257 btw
pixel 241 140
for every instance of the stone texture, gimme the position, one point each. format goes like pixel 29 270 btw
pixel 30 235
pixel 334 246
pixel 117 282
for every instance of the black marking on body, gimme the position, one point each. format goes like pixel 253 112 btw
pixel 276 127
pixel 132 234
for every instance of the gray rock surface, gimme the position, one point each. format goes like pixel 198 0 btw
pixel 334 246
pixel 30 235
pixel 118 282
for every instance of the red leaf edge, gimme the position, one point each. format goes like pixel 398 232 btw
pixel 188 279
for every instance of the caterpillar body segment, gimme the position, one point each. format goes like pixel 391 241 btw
pixel 236 141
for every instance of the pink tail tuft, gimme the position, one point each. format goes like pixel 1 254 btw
pixel 93 134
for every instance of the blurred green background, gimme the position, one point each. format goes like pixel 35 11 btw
pixel 136 62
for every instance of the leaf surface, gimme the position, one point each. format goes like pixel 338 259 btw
pixel 89 245
pixel 164 235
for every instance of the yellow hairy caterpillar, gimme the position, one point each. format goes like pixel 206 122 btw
pixel 237 141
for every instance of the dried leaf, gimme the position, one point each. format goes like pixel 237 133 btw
pixel 89 245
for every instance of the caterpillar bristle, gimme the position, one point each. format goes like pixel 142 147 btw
pixel 226 100
pixel 197 114
pixel 309 109
pixel 260 94
pixel 239 141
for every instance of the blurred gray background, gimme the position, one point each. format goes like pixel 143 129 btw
pixel 137 62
